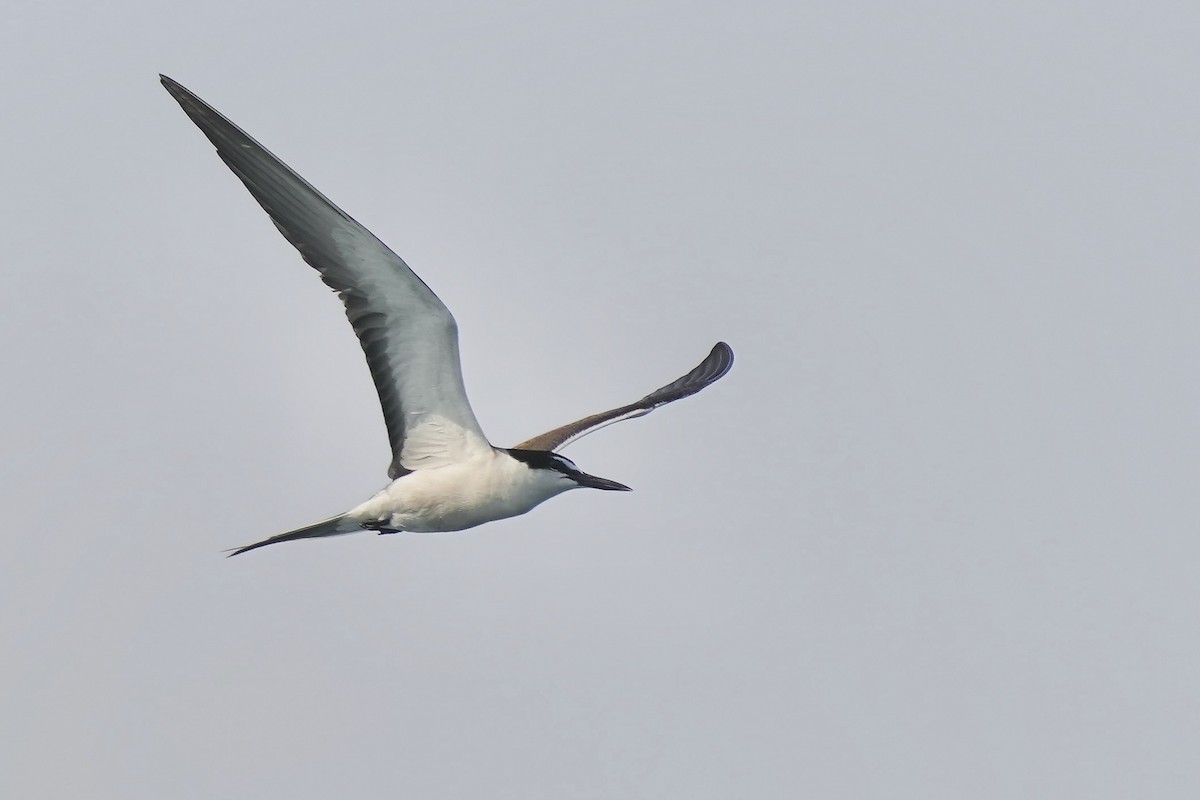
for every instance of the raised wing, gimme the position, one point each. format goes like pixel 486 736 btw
pixel 710 370
pixel 409 337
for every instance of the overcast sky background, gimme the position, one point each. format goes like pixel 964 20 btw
pixel 935 536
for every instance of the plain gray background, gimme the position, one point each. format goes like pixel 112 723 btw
pixel 935 536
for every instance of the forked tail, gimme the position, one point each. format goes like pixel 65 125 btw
pixel 334 526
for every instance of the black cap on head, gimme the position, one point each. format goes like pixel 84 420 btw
pixel 545 459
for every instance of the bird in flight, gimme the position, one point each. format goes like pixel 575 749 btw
pixel 445 474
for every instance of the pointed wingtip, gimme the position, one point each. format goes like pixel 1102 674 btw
pixel 723 350
pixel 181 93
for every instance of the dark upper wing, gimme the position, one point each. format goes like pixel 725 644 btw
pixel 409 337
pixel 708 371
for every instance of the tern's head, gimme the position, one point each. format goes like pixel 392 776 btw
pixel 562 468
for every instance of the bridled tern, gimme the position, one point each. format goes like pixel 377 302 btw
pixel 445 474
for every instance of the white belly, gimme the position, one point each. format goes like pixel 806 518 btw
pixel 460 495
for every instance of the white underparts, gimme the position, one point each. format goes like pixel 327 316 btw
pixel 486 486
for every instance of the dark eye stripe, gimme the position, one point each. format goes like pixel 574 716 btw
pixel 543 459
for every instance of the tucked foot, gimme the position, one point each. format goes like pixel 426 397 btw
pixel 380 527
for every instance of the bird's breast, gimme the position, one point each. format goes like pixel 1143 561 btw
pixel 460 495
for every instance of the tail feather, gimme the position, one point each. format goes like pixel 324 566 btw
pixel 334 526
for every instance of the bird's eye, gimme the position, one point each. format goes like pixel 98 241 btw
pixel 568 463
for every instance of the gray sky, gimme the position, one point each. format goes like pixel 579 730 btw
pixel 935 536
